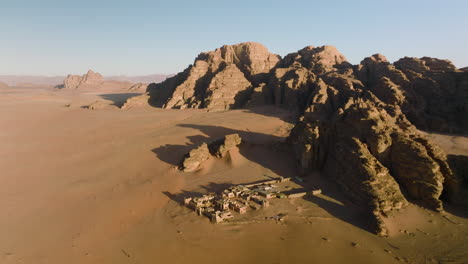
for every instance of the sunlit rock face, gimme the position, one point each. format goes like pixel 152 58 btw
pixel 218 80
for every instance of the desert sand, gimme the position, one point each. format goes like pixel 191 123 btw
pixel 101 186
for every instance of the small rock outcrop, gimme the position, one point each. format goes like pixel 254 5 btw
pixel 136 101
pixel 195 157
pixel 219 148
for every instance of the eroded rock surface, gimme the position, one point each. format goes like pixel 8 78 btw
pixel 89 80
pixel 196 157
pixel 220 147
pixel 138 87
pixel 432 93
pixel 367 145
pixel 95 81
pixel 218 80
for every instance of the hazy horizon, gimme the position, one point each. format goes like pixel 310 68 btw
pixel 55 38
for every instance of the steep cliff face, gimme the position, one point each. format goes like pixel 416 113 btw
pixel 431 92
pixel 354 131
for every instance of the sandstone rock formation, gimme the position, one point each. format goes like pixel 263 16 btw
pixel 95 81
pixel 138 87
pixel 196 157
pixel 218 80
pixel 432 93
pixel 218 148
pixel 366 144
pixel 136 101
pixel 465 69
pixel 89 80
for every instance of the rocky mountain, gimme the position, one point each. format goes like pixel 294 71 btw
pixel 88 80
pixel 358 124
pixel 465 69
pixel 431 92
pixel 95 81
pixel 218 80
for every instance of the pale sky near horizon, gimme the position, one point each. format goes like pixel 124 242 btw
pixel 53 37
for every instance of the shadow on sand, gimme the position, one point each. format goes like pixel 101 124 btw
pixel 118 99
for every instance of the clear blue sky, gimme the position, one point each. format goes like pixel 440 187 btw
pixel 50 37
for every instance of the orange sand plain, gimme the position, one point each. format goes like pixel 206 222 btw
pixel 100 186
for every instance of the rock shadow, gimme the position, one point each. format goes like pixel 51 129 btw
pixel 118 99
pixel 346 212
pixel 459 205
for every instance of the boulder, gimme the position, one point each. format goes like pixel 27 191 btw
pixel 195 157
pixel 219 148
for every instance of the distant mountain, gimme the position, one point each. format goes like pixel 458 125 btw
pixel 464 69
pixel 153 78
pixel 36 80
pixel 20 80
